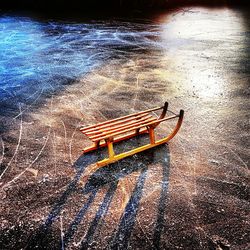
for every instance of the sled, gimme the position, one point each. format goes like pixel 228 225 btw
pixel 105 134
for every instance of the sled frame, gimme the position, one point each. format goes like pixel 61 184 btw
pixel 105 134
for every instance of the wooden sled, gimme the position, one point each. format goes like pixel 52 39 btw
pixel 109 132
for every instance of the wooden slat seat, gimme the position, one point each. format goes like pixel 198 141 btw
pixel 102 133
pixel 126 129
pixel 121 130
pixel 117 125
pixel 108 132
pixel 120 119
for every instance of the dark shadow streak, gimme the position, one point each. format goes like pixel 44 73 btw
pixel 162 203
pixel 38 239
pixel 100 215
pixel 73 227
pixel 122 236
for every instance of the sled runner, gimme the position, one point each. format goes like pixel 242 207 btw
pixel 105 134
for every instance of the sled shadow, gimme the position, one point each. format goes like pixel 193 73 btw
pixel 109 176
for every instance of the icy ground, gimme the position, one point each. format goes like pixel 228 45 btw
pixel 58 75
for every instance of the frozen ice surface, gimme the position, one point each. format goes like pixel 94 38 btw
pixel 58 75
pixel 45 55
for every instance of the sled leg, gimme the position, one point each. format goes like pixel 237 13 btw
pixel 110 148
pixel 152 135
